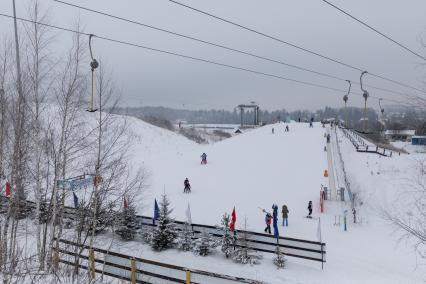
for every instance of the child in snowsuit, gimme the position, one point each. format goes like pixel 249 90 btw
pixel 204 159
pixel 187 188
pixel 268 221
pixel 309 209
pixel 285 212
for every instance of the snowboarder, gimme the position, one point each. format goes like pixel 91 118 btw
pixel 204 159
pixel 268 221
pixel 309 209
pixel 285 212
pixel 187 188
pixel 287 129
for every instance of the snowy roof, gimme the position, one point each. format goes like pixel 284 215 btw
pixel 400 132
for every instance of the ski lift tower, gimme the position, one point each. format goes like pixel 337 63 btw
pixel 253 106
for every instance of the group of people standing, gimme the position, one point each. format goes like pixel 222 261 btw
pixel 269 218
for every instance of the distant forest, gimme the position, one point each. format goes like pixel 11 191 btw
pixel 396 118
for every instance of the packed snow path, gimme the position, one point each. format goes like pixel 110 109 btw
pixel 250 171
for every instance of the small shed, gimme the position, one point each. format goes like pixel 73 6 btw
pixel 418 140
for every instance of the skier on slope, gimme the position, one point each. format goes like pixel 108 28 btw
pixel 309 209
pixel 285 212
pixel 268 221
pixel 287 129
pixel 204 159
pixel 187 186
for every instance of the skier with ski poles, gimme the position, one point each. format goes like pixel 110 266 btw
pixel 268 220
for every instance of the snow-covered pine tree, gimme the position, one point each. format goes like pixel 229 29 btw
pixel 227 240
pixel 184 240
pixel 204 244
pixel 127 225
pixel 164 235
pixel 279 259
pixel 243 254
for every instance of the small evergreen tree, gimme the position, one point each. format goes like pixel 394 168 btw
pixel 243 254
pixel 226 241
pixel 204 244
pixel 127 225
pixel 164 235
pixel 184 240
pixel 279 259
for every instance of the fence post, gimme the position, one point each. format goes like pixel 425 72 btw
pixel 133 270
pixel 188 277
pixel 92 263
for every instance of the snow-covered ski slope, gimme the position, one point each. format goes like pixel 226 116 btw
pixel 252 170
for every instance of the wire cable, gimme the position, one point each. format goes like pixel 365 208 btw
pixel 295 46
pixel 218 45
pixel 375 30
pixel 187 56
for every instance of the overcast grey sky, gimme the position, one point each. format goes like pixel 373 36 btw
pixel 150 78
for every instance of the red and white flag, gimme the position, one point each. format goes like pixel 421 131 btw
pixel 8 189
pixel 233 220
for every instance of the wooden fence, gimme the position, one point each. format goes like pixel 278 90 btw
pixel 310 250
pixel 362 147
pixel 136 270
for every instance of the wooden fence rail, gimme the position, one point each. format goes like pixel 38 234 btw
pixel 137 270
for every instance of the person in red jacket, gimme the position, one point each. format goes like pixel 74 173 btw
pixel 268 221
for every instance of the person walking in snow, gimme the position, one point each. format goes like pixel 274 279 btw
pixel 272 130
pixel 187 186
pixel 311 122
pixel 287 129
pixel 204 159
pixel 309 209
pixel 285 212
pixel 268 221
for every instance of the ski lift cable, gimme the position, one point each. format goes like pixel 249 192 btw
pixel 375 30
pixel 109 39
pixel 293 45
pixel 218 45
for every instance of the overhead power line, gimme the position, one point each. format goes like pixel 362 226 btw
pixel 374 29
pixel 296 46
pixel 298 67
pixel 109 39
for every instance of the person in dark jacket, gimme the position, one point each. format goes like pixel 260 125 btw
pixel 285 212
pixel 268 221
pixel 204 159
pixel 309 209
pixel 187 186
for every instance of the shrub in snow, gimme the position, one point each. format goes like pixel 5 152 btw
pixel 226 241
pixel 184 240
pixel 164 235
pixel 279 259
pixel 127 225
pixel 243 254
pixel 204 244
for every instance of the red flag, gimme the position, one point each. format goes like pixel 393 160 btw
pixel 8 189
pixel 125 205
pixel 234 219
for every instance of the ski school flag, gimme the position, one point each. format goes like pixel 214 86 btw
pixel 156 212
pixel 233 220
pixel 188 215
pixel 75 200
pixel 8 189
pixel 275 220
